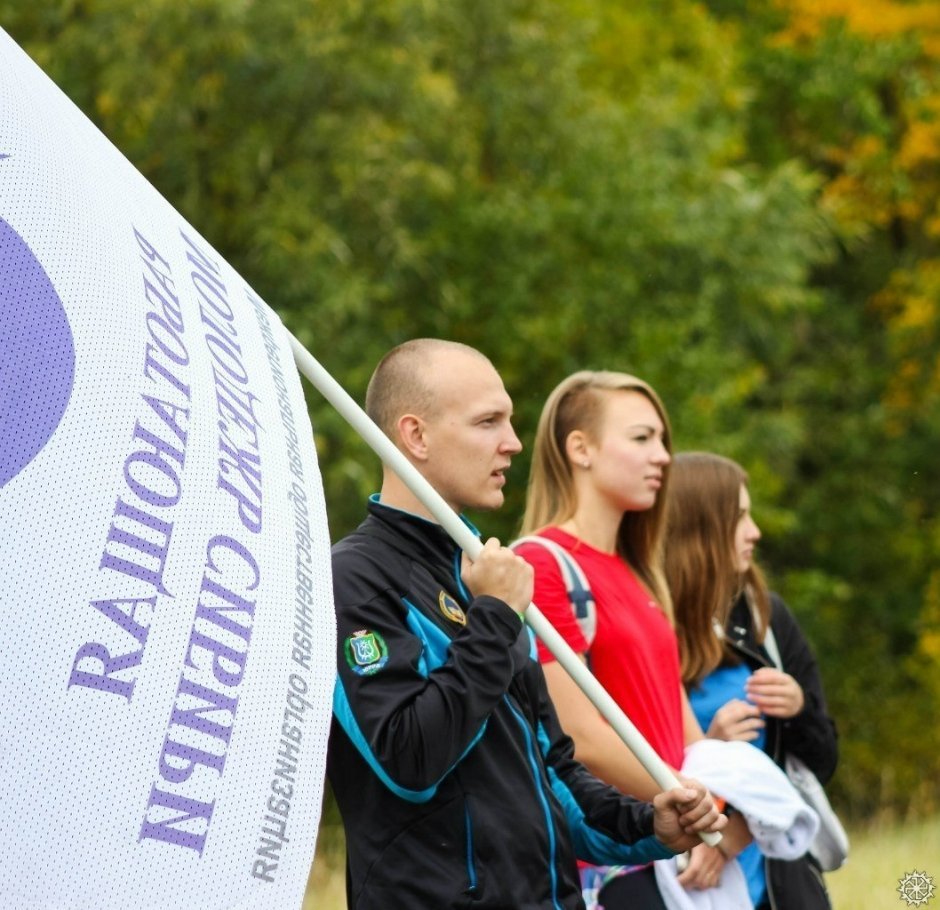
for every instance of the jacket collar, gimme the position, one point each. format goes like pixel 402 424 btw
pixel 740 632
pixel 412 534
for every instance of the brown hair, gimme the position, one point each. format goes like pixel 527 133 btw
pixel 399 384
pixel 578 403
pixel 703 513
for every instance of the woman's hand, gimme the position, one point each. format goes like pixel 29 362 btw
pixel 704 868
pixel 774 692
pixel 736 720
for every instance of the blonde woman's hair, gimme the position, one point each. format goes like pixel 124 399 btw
pixel 578 403
pixel 702 516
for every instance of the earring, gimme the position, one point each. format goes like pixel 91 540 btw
pixel 586 464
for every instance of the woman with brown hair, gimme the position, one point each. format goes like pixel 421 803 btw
pixel 600 469
pixel 726 620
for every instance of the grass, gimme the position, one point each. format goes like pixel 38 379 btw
pixel 326 886
pixel 881 854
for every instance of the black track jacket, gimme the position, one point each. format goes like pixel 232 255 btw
pixel 456 784
pixel 811 735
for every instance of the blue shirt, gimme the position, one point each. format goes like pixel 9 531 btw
pixel 717 689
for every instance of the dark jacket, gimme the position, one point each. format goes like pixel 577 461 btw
pixel 456 784
pixel 811 735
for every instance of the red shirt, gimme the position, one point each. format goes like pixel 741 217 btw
pixel 635 653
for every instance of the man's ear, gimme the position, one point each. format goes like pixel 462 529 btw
pixel 412 436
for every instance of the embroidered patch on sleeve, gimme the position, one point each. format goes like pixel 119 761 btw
pixel 451 609
pixel 366 652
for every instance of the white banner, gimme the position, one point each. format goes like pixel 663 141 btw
pixel 167 642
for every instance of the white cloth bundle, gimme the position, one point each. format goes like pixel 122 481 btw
pixel 781 823
pixel 729 894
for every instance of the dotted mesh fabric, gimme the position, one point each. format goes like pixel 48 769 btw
pixel 161 511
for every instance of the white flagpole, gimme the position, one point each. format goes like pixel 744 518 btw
pixel 357 418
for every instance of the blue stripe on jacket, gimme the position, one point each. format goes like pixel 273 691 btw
pixel 590 844
pixel 434 653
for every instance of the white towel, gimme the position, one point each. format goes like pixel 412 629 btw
pixel 782 825
pixel 729 894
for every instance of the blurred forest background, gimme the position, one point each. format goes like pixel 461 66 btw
pixel 738 200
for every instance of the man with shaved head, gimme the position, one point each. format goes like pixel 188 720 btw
pixel 456 784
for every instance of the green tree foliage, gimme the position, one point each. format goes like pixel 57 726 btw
pixel 733 200
pixel 853 92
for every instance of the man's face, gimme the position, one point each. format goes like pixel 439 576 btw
pixel 469 435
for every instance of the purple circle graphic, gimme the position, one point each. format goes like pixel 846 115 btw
pixel 37 356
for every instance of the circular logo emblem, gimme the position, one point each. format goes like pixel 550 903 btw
pixel 916 888
pixel 451 609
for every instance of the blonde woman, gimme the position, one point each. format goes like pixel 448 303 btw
pixel 600 469
pixel 723 611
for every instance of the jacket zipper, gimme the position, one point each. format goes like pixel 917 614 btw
pixel 741 648
pixel 822 882
pixel 540 790
pixel 769 885
pixel 533 764
pixel 471 863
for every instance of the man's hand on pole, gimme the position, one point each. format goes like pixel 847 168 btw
pixel 683 813
pixel 497 571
